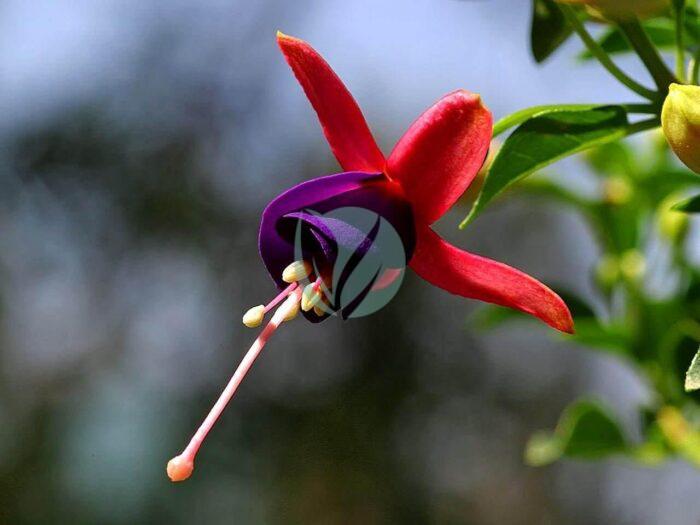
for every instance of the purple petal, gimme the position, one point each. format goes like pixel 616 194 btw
pixel 328 235
pixel 309 200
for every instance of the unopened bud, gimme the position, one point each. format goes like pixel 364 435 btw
pixel 680 119
pixel 632 265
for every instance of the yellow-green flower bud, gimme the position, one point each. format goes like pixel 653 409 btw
pixel 632 265
pixel 617 191
pixel 607 271
pixel 621 9
pixel 680 119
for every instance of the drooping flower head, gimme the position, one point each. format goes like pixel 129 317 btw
pixel 303 235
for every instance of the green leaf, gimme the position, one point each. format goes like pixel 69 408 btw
pixel 691 205
pixel 692 377
pixel 517 118
pixel 549 29
pixel 585 431
pixel 544 139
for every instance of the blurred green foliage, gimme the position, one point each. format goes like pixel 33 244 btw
pixel 641 221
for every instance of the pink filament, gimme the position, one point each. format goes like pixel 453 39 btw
pixel 191 450
pixel 282 295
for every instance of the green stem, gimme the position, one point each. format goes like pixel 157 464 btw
pixel 634 32
pixel 679 12
pixel 603 57
pixel 642 109
pixel 643 125
pixel 694 69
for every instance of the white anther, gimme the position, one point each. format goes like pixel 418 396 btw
pixel 311 296
pixel 254 316
pixel 296 271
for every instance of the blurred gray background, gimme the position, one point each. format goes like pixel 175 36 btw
pixel 140 141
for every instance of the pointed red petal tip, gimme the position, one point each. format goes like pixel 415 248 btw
pixel 558 316
pixel 281 36
pixel 342 121
pixel 441 153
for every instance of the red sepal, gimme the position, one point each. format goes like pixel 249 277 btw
pixel 476 277
pixel 441 153
pixel 341 119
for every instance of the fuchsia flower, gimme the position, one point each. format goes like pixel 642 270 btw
pixel 428 170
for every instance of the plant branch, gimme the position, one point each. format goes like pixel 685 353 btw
pixel 643 109
pixel 679 12
pixel 637 37
pixel 694 68
pixel 643 125
pixel 603 57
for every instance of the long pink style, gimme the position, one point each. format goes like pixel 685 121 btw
pixel 180 467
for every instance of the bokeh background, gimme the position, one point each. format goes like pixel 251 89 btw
pixel 139 142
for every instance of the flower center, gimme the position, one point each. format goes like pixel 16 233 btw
pixel 293 297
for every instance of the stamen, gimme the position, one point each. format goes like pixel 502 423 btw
pixel 296 271
pixel 180 467
pixel 312 295
pixel 281 296
pixel 322 307
pixel 294 310
pixel 255 315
